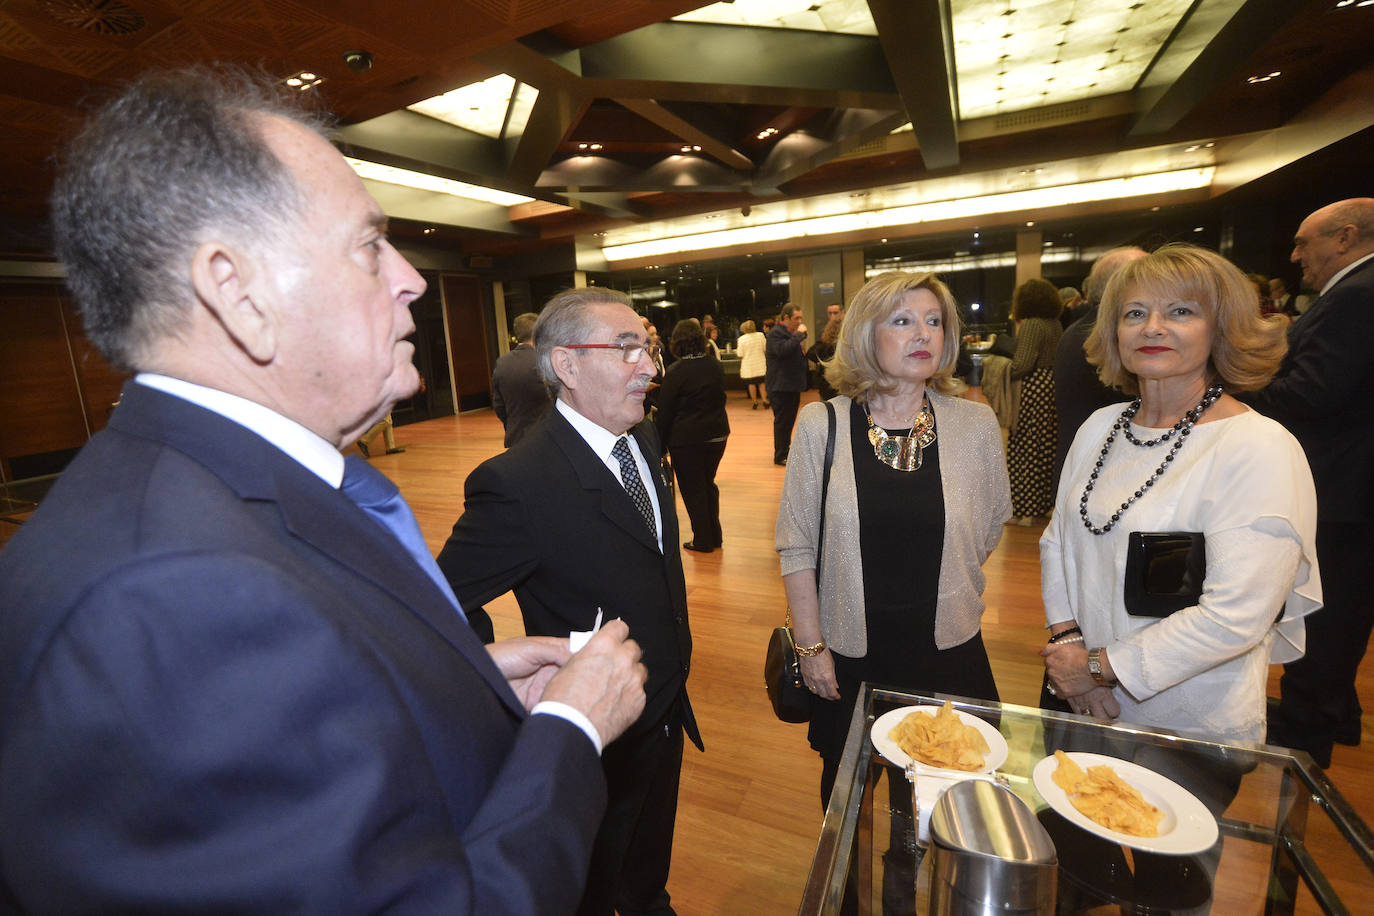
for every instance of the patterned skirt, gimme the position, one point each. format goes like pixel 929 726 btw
pixel 1030 449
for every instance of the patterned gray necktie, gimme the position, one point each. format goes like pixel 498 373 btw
pixel 634 485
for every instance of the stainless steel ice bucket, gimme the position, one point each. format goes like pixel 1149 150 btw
pixel 989 854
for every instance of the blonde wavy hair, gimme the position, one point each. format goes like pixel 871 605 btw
pixel 854 370
pixel 1246 345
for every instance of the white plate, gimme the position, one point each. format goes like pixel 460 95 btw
pixel 1187 828
pixel 994 758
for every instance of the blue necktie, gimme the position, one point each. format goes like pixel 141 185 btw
pixel 378 497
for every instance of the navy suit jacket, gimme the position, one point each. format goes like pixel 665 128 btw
pixel 550 521
pixel 786 359
pixel 225 688
pixel 1324 394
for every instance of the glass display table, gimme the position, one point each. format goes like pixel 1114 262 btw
pixel 1287 841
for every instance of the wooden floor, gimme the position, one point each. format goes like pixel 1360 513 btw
pixel 749 812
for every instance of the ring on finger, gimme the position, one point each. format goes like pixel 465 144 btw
pixel 1049 688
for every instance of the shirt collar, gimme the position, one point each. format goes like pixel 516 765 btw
pixel 311 451
pixel 1340 274
pixel 600 439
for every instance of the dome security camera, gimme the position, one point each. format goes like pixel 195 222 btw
pixel 358 61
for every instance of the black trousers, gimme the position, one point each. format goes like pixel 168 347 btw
pixel 634 847
pixel 785 404
pixel 1317 692
pixel 695 468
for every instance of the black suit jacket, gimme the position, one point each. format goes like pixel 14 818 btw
pixel 691 403
pixel 225 688
pixel 548 520
pixel 1078 392
pixel 1324 394
pixel 518 394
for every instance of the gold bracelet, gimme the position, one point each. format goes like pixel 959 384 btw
pixel 809 651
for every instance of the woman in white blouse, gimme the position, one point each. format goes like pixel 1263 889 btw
pixel 1180 330
pixel 751 362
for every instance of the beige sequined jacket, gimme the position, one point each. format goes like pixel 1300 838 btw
pixel 977 502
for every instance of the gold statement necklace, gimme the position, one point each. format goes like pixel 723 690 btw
pixel 903 453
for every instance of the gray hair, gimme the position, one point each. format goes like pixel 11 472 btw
pixel 1103 269
pixel 567 319
pixel 175 159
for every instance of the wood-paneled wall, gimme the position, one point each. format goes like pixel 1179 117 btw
pixel 55 388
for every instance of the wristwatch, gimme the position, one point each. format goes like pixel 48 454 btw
pixel 1095 668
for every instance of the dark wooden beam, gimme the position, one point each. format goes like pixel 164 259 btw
pixel 1180 76
pixel 917 37
pixel 655 113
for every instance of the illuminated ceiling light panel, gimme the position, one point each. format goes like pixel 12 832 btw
pixel 935 211
pixel 1016 54
pixel 481 107
pixel 850 16
pixel 374 171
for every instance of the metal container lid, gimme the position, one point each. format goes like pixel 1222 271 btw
pixel 989 847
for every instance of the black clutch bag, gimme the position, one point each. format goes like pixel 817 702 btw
pixel 1164 571
pixel 783 678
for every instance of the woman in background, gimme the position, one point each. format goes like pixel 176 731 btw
pixel 823 351
pixel 693 428
pixel 1035 309
pixel 752 362
pixel 916 502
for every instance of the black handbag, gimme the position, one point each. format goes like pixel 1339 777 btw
pixel 782 676
pixel 1164 572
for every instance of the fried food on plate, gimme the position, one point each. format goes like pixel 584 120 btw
pixel 941 740
pixel 1106 798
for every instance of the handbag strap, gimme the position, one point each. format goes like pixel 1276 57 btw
pixel 825 488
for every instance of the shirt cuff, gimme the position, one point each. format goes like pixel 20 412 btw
pixel 575 716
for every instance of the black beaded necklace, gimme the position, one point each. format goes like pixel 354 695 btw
pixel 1183 427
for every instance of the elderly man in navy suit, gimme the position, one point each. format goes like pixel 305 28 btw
pixel 577 520
pixel 231 677
pixel 1324 394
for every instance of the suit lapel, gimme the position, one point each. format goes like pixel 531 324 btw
pixel 647 437
pixel 310 510
pixel 595 476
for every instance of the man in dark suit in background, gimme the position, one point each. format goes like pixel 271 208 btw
pixel 226 685
pixel 1324 394
pixel 578 521
pixel 1077 389
pixel 1283 300
pixel 518 394
pixel 786 378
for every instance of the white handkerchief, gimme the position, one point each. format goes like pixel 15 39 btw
pixel 579 638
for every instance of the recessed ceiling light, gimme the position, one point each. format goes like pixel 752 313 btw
pixel 303 81
pixel 1029 223
pixel 1197 228
pixel 594 146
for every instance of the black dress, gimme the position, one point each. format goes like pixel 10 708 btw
pixel 901 536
